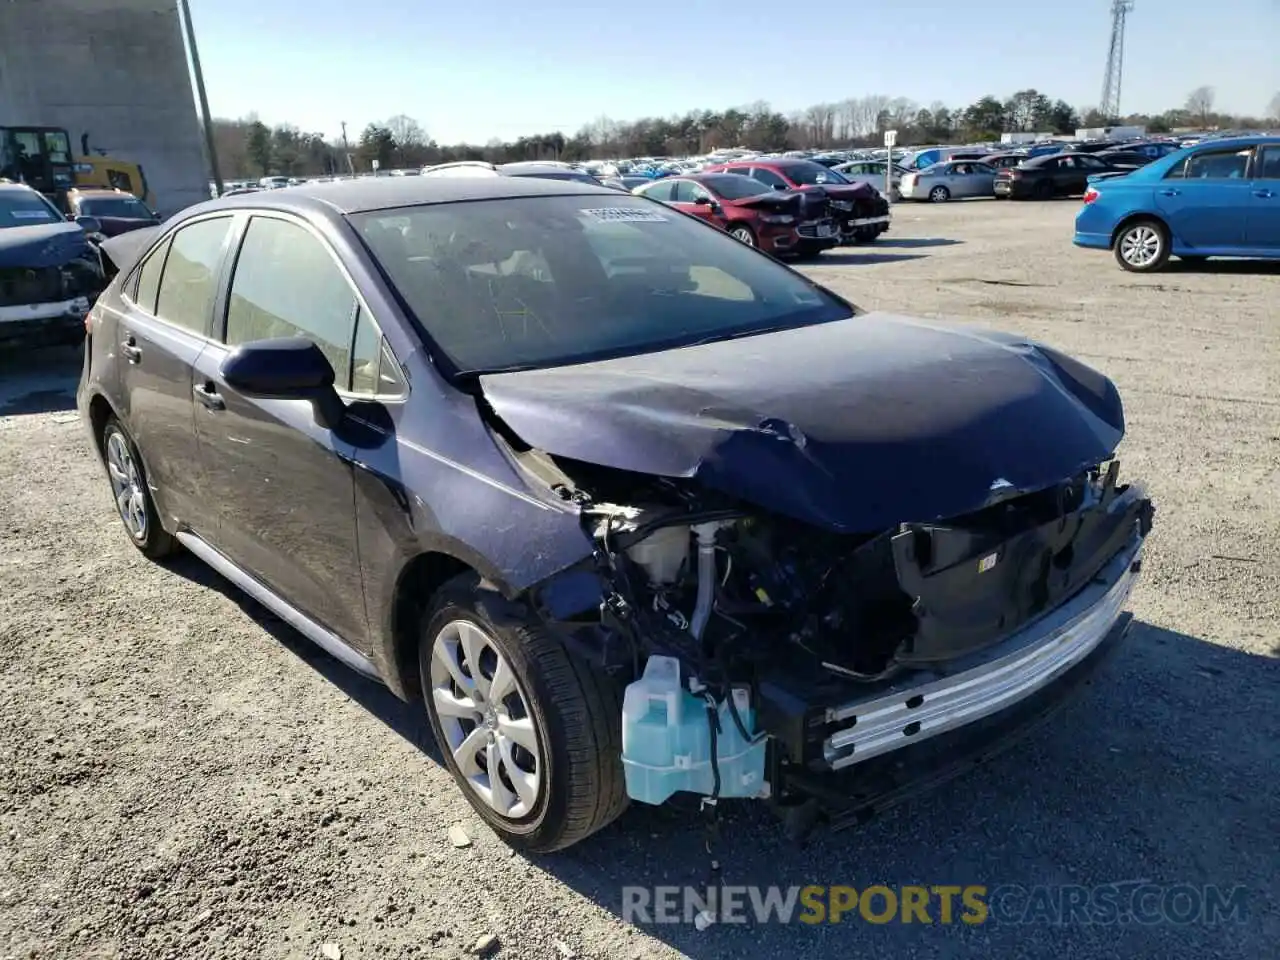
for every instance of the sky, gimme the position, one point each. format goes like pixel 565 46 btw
pixel 471 70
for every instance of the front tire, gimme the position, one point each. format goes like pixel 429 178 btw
pixel 502 693
pixel 743 234
pixel 132 495
pixel 1142 246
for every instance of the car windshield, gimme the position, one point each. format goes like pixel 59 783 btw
pixel 733 186
pixel 126 207
pixel 25 208
pixel 810 174
pixel 546 281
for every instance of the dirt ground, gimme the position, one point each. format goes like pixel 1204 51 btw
pixel 182 776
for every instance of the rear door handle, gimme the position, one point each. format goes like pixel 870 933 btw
pixel 1170 193
pixel 210 397
pixel 1264 194
pixel 129 347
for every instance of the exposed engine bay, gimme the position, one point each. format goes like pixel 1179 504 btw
pixel 804 618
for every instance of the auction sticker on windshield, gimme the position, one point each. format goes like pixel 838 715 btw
pixel 31 214
pixel 623 215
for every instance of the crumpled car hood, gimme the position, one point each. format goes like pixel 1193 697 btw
pixel 854 425
pixel 42 245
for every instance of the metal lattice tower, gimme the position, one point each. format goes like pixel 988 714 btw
pixel 1110 105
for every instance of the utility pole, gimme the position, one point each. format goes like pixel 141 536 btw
pixel 184 12
pixel 346 148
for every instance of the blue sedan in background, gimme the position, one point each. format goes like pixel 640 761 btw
pixel 1220 198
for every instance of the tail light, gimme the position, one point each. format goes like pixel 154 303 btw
pixel 1091 195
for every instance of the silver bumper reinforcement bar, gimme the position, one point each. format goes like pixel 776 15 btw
pixel 1022 664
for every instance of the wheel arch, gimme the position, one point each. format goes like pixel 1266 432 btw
pixel 1134 217
pixel 418 583
pixel 100 411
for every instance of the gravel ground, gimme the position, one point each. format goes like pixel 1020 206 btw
pixel 185 777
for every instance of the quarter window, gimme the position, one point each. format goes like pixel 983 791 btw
pixel 149 277
pixel 374 368
pixel 190 279
pixel 287 284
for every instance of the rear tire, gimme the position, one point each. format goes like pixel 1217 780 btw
pixel 132 494
pixel 1142 246
pixel 939 194
pixel 568 710
pixel 1043 191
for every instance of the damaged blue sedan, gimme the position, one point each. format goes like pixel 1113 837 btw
pixel 633 509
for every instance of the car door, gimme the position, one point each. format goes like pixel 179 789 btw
pixel 282 483
pixel 164 328
pixel 1262 225
pixel 1207 198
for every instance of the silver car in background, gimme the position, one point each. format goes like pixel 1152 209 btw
pixel 871 172
pixel 949 180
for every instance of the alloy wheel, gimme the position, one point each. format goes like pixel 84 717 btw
pixel 485 718
pixel 938 194
pixel 127 486
pixel 743 235
pixel 1140 246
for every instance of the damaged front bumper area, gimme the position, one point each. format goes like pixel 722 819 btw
pixel 770 660
pixel 988 682
pixel 47 305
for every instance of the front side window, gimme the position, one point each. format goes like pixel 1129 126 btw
pixel 769 178
pixel 733 187
pixel 811 174
pixel 287 284
pixel 543 281
pixel 663 191
pixel 190 279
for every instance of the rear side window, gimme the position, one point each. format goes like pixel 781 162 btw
pixel 149 277
pixel 1214 165
pixel 1268 164
pixel 190 280
pixel 287 284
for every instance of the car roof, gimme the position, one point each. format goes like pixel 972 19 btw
pixel 381 193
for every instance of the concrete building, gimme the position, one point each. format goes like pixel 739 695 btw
pixel 115 69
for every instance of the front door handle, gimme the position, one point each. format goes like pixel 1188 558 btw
pixel 1264 194
pixel 1170 193
pixel 210 397
pixel 129 347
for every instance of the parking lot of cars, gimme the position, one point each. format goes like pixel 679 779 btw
pixel 199 781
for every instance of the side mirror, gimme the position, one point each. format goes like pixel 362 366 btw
pixel 89 224
pixel 780 186
pixel 288 368
pixel 704 201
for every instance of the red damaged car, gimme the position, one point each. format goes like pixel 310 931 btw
pixel 777 222
pixel 860 210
